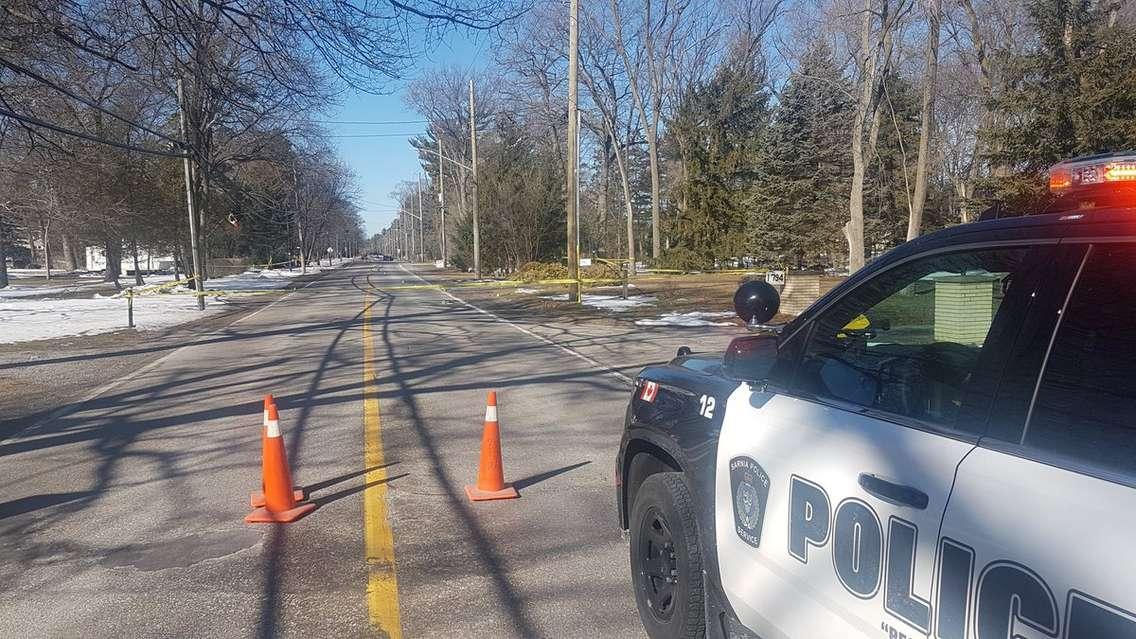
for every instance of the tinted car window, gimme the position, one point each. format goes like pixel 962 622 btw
pixel 1085 406
pixel 908 341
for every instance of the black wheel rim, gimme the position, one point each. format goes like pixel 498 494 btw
pixel 659 576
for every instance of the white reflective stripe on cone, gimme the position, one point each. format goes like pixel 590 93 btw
pixel 264 419
pixel 490 413
pixel 273 427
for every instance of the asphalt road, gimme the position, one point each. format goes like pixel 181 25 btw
pixel 123 516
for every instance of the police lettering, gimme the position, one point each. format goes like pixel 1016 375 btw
pixel 1002 599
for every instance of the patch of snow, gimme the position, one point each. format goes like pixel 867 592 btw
pixel 528 291
pixel 694 318
pixel 608 302
pixel 617 286
pixel 16 273
pixel 13 291
pixel 26 320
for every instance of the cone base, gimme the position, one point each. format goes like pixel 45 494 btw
pixel 476 494
pixel 256 500
pixel 265 516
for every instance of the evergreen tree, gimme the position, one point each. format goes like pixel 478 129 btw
pixel 1073 94
pixel 802 187
pixel 716 131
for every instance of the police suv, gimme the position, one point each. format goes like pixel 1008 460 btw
pixel 942 446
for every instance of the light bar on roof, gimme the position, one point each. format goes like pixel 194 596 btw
pixel 1092 172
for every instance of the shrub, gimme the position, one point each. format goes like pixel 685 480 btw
pixel 534 271
pixel 682 259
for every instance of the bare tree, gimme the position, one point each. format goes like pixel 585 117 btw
pixel 645 51
pixel 877 31
pixel 926 118
pixel 610 93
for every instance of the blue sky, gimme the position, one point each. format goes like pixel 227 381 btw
pixel 380 163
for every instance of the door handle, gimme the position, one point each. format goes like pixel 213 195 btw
pixel 897 494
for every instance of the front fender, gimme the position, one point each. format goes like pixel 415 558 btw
pixel 678 428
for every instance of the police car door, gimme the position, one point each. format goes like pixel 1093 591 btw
pixel 832 482
pixel 1038 535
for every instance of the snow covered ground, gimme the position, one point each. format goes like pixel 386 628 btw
pixel 608 302
pixel 694 318
pixel 18 273
pixel 23 318
pixel 13 291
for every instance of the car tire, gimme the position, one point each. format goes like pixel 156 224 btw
pixel 666 560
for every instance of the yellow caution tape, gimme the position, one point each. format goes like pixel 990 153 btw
pixel 493 283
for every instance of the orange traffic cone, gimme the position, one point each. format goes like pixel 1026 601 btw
pixel 256 500
pixel 280 504
pixel 269 400
pixel 490 476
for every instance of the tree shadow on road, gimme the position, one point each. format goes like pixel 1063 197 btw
pixel 531 480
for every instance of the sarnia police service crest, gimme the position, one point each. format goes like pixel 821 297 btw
pixel 749 485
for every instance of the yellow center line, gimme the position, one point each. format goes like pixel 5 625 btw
pixel 378 539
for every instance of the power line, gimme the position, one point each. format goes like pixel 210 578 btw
pixel 42 80
pixel 27 119
pixel 375 135
pixel 370 122
pixel 388 122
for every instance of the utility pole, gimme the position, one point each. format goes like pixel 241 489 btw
pixel 473 164
pixel 579 121
pixel 573 150
pixel 195 248
pixel 442 198
pixel 421 237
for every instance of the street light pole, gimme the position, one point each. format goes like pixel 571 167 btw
pixel 573 151
pixel 442 199
pixel 473 163
pixel 579 120
pixel 421 237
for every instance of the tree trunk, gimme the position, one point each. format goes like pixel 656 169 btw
pixel 303 258
pixel 867 106
pixel 605 179
pixel 113 251
pixel 69 253
pixel 31 244
pixel 656 235
pixel 46 248
pixel 137 267
pixel 854 228
pixel 202 231
pixel 625 182
pixel 915 221
pixel 3 257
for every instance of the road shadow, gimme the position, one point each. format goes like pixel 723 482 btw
pixel 347 492
pixel 327 483
pixel 532 480
pixel 33 503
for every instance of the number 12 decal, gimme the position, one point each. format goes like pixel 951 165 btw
pixel 706 408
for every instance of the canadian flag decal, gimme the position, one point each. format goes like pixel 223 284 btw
pixel 650 390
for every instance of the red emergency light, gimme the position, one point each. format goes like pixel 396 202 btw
pixel 1093 173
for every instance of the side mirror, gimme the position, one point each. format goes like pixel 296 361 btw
pixel 756 302
pixel 750 358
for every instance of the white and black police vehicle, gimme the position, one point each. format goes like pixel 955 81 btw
pixel 942 446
